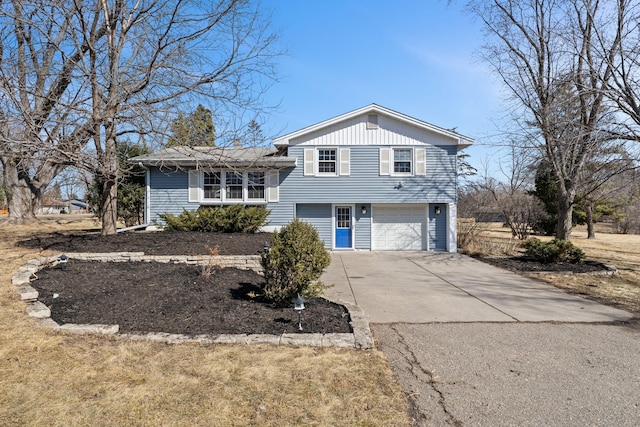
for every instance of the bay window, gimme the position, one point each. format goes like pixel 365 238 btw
pixel 233 181
pixel 255 185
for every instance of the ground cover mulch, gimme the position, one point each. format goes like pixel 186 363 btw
pixel 152 242
pixel 175 298
pixel 522 264
pixel 172 298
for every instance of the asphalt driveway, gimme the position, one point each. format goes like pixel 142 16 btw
pixel 472 344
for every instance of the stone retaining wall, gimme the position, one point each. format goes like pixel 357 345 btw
pixel 243 262
pixel 360 338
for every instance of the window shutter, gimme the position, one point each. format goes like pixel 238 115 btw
pixel 421 167
pixel 272 186
pixel 309 162
pixel 194 185
pixel 345 159
pixel 385 155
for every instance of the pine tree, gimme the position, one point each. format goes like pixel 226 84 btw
pixel 195 130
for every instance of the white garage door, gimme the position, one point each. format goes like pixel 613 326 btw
pixel 399 227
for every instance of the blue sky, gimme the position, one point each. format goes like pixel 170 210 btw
pixel 418 57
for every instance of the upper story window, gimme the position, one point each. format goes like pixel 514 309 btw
pixel 212 185
pixel 255 185
pixel 402 161
pixel 327 161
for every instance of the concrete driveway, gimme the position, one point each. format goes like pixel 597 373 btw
pixel 427 287
pixel 471 344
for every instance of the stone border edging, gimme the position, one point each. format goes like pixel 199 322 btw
pixel 361 337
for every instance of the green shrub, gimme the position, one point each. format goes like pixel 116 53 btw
pixel 294 263
pixel 186 221
pixel 232 219
pixel 554 251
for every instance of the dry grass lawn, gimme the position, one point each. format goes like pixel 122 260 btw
pixel 621 250
pixel 50 378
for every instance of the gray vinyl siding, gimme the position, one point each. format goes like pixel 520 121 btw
pixel 169 193
pixel 282 212
pixel 365 185
pixel 318 215
pixel 363 227
pixel 321 217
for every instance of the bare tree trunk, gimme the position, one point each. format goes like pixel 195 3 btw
pixel 591 232
pixel 565 215
pixel 109 207
pixel 21 201
pixel 110 186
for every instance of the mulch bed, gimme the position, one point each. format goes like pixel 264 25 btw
pixel 152 243
pixel 521 264
pixel 175 298
pixel 172 298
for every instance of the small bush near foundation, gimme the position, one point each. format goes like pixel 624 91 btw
pixel 294 263
pixel 232 219
pixel 554 251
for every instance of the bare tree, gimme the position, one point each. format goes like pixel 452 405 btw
pixel 511 197
pixel 624 87
pixel 125 67
pixel 556 65
pixel 39 122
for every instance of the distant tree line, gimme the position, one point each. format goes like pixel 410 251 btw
pixel 572 71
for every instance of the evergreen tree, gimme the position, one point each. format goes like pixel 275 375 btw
pixel 131 186
pixel 194 130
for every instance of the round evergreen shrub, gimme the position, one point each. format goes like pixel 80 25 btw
pixel 294 263
pixel 556 250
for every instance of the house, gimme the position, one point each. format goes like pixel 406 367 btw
pixel 77 206
pixel 372 179
pixel 51 206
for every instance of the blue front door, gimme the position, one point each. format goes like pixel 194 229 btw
pixel 343 227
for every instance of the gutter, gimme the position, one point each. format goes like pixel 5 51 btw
pixel 134 227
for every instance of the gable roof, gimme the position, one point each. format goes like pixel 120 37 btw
pixel 459 140
pixel 215 157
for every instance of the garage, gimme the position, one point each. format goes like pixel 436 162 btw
pixel 399 227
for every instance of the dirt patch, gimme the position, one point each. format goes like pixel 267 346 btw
pixel 151 243
pixel 175 298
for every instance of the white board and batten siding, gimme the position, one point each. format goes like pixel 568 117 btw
pixel 354 131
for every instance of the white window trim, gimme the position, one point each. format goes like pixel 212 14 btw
pixel 223 200
pixel 418 161
pixel 246 184
pixel 317 162
pixel 392 162
pixel 202 178
pixel 311 162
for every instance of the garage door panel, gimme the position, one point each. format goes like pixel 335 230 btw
pixel 399 227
